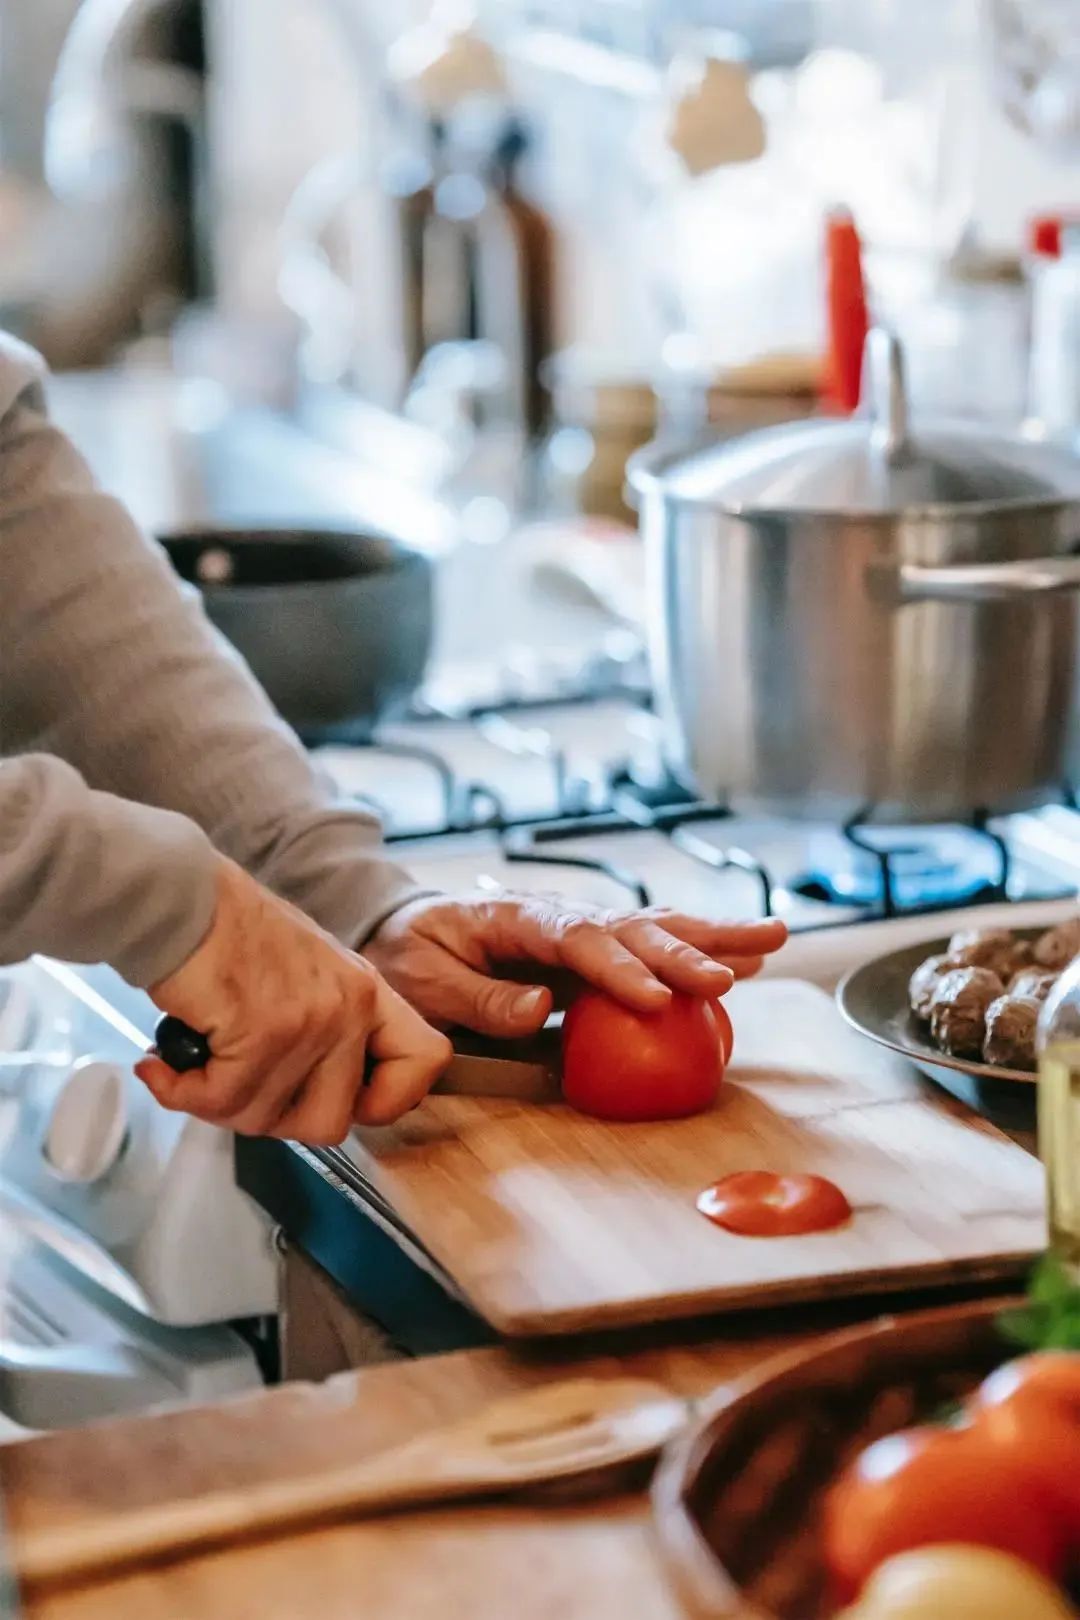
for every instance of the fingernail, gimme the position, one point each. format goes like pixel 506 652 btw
pixel 528 1004
pixel 716 970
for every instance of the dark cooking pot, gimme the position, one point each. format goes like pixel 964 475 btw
pixel 336 626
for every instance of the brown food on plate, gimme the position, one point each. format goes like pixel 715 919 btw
pixel 923 984
pixel 1056 948
pixel 958 1011
pixel 1010 1031
pixel 995 948
pixel 1033 981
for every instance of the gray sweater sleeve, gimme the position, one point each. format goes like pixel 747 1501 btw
pixel 74 874
pixel 170 749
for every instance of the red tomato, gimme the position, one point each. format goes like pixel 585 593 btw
pixel 1045 1383
pixel 1030 1410
pixel 727 1033
pixel 624 1065
pixel 760 1203
pixel 927 1486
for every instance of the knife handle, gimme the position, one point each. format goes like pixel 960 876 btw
pixel 180 1046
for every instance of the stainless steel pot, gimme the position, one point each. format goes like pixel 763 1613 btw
pixel 864 615
pixel 336 626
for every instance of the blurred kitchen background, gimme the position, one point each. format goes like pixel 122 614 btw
pixel 438 269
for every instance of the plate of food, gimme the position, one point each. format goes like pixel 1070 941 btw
pixel 969 1003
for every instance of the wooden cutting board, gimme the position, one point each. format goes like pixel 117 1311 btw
pixel 552 1223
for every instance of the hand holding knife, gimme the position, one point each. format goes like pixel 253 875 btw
pixel 523 1071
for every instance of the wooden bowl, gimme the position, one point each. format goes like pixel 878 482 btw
pixel 737 1499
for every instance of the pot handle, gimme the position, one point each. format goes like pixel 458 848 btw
pixel 988 582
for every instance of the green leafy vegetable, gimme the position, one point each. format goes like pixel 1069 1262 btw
pixel 1051 1319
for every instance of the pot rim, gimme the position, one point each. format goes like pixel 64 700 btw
pixel 402 560
pixel 645 475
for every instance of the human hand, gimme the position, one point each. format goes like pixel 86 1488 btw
pixel 292 1019
pixel 452 959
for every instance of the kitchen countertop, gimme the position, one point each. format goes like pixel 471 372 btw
pixel 574 1561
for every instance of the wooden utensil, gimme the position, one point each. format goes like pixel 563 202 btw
pixel 555 1434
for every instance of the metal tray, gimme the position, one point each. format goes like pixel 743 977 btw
pixel 873 999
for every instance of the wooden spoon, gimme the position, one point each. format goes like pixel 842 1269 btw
pixel 549 1435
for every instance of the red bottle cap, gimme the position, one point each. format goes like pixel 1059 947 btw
pixel 1045 232
pixel 847 315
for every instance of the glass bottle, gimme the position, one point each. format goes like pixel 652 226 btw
pixel 1054 375
pixel 1059 1115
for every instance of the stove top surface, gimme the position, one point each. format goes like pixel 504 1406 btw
pixel 573 797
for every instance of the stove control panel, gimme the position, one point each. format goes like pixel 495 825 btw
pixel 18 1014
pixel 132 1195
pixel 88 1126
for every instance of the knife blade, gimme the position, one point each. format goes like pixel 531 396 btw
pixel 522 1071
pixel 519 1071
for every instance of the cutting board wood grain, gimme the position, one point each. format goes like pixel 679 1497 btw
pixel 552 1223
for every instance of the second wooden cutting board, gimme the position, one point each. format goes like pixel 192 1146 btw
pixel 552 1223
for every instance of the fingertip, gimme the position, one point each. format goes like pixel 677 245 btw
pixel 506 1011
pixel 372 1113
pixel 650 995
pixel 394 1089
pixel 530 1010
pixel 161 1082
pixel 748 967
pixel 154 1071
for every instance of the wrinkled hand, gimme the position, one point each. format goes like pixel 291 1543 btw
pixel 292 1019
pixel 452 959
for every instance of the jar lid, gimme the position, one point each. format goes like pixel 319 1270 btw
pixel 875 463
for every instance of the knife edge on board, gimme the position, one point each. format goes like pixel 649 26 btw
pixel 521 1071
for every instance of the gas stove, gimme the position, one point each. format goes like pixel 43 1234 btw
pixel 573 797
pixel 109 1207
pixel 114 1206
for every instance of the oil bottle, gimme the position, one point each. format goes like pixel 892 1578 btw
pixel 1059 1115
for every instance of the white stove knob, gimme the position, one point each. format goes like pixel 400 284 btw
pixel 89 1121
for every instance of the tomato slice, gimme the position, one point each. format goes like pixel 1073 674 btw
pixel 761 1203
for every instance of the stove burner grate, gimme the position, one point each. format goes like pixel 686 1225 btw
pixel 879 870
pixel 522 846
pixel 894 871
